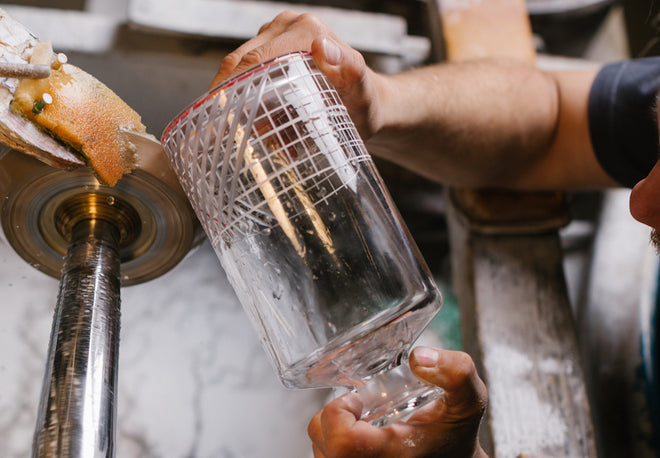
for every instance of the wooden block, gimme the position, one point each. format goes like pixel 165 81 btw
pixel 469 25
pixel 517 325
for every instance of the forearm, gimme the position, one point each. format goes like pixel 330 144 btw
pixel 469 124
pixel 472 124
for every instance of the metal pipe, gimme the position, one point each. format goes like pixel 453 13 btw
pixel 77 412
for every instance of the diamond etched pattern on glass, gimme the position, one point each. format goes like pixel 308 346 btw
pixel 307 233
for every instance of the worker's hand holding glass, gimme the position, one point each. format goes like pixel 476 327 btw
pixel 344 67
pixel 447 428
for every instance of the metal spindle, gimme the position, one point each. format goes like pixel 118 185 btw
pixel 77 412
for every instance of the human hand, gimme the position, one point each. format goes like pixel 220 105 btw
pixel 344 67
pixel 446 428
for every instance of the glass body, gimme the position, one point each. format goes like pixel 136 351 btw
pixel 307 232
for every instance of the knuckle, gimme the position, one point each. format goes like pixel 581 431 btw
pixel 252 57
pixel 310 21
pixel 227 65
pixel 282 20
pixel 356 72
pixel 285 16
pixel 231 60
pixel 314 428
pixel 466 373
pixel 264 27
pixel 464 367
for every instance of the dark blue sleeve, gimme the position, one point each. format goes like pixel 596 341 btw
pixel 622 118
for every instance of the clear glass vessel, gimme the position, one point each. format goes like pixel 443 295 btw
pixel 307 233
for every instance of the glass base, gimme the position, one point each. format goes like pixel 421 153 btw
pixel 394 395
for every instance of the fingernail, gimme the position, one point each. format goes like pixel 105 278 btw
pixel 426 356
pixel 331 51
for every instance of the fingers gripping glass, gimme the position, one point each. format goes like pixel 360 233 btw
pixel 307 233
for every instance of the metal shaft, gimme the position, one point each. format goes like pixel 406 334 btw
pixel 77 412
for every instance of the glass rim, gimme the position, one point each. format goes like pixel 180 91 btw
pixel 228 83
